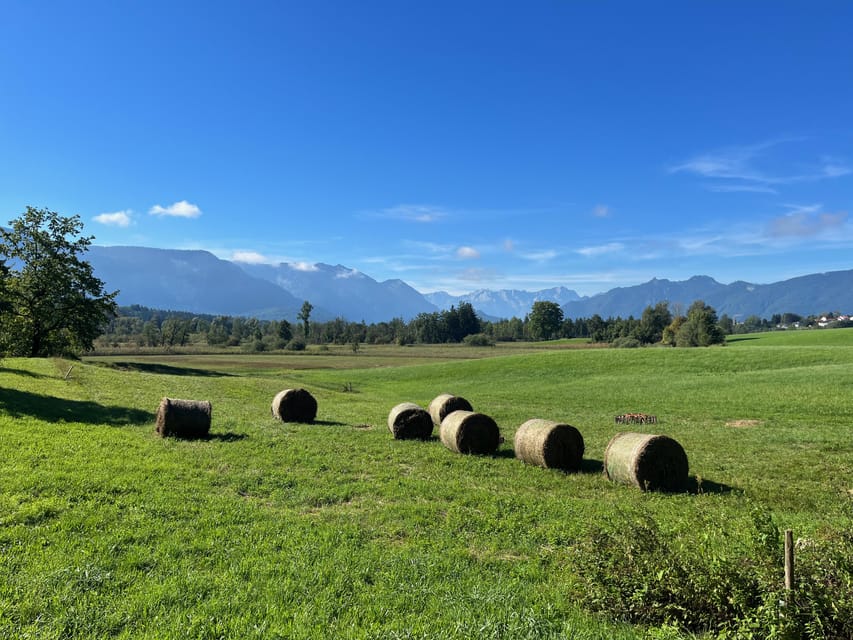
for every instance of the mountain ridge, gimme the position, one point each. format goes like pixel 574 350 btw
pixel 197 281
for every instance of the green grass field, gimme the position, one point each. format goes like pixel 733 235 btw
pixel 334 529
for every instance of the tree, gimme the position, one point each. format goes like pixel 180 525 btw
pixel 671 331
pixel 545 320
pixel 469 322
pixel 726 324
pixel 285 333
pixel 597 328
pixel 53 303
pixel 303 315
pixel 218 331
pixel 174 331
pixel 150 334
pixel 700 329
pixel 653 322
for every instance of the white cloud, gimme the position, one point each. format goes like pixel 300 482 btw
pixel 610 247
pixel 601 211
pixel 181 209
pixel 251 257
pixel 509 245
pixel 467 253
pixel 115 219
pixel 304 266
pixel 350 273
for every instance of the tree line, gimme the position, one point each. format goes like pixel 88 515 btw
pixel 661 323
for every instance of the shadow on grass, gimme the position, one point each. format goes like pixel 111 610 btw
pixel 23 403
pixel 589 465
pixel 23 372
pixel 696 487
pixel 228 436
pixel 330 423
pixel 165 369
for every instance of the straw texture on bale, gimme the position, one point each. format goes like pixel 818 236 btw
pixel 445 404
pixel 407 421
pixel 183 418
pixel 650 462
pixel 294 405
pixel 549 444
pixel 470 432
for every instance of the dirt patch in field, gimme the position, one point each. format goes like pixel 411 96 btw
pixel 744 424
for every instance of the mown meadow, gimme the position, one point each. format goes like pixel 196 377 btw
pixel 334 529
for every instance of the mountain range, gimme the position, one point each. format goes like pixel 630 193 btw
pixel 199 282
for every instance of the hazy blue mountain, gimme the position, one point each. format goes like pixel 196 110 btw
pixel 504 303
pixel 811 294
pixel 199 282
pixel 345 292
pixel 195 281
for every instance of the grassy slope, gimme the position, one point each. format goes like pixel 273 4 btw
pixel 335 530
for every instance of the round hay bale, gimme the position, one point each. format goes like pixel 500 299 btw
pixel 650 462
pixel 445 404
pixel 549 444
pixel 469 432
pixel 294 405
pixel 183 418
pixel 407 421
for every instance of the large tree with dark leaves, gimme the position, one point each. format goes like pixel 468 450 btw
pixel 50 301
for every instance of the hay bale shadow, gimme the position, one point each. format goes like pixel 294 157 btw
pixel 589 465
pixel 697 486
pixel 229 436
pixel 330 423
pixel 24 403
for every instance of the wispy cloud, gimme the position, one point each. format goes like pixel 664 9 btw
pixel 422 213
pixel 181 209
pixel 835 167
pixel 477 275
pixel 540 256
pixel 422 246
pixel 115 219
pixel 738 188
pixel 806 223
pixel 694 243
pixel 601 211
pixel 737 168
pixel 610 247
pixel 251 257
pixel 467 253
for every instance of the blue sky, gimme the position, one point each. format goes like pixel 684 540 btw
pixel 455 145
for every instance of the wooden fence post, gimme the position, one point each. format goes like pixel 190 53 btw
pixel 789 559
